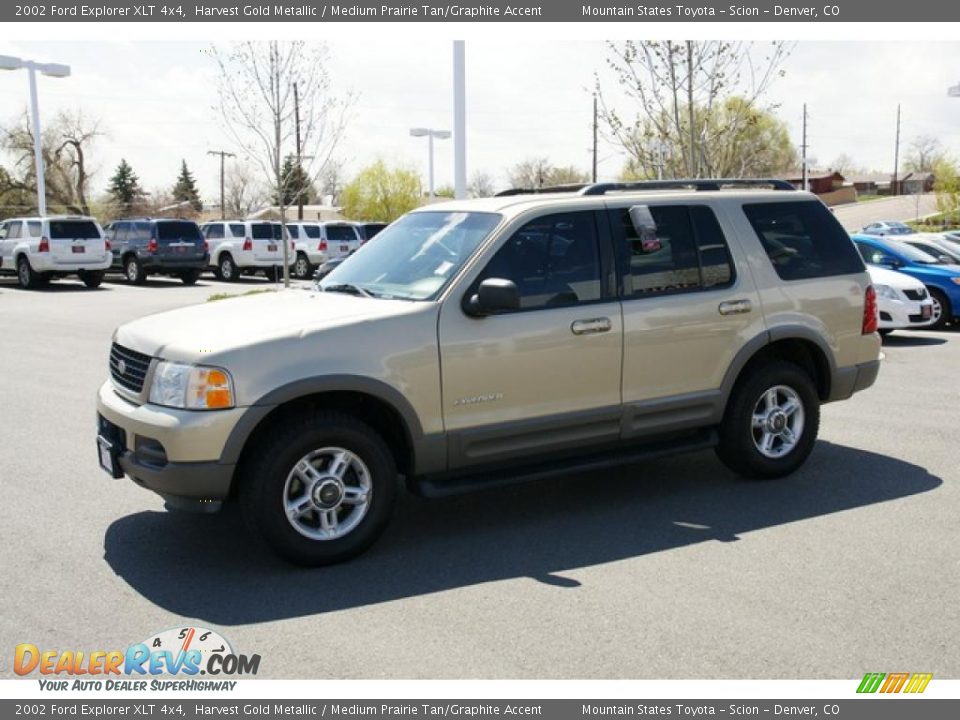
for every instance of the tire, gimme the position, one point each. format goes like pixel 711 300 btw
pixel 92 278
pixel 26 277
pixel 941 309
pixel 133 271
pixel 189 277
pixel 226 269
pixel 740 441
pixel 268 482
pixel 302 269
pixel 884 333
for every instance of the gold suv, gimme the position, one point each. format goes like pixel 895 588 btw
pixel 479 342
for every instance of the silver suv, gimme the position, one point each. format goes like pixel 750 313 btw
pixel 480 342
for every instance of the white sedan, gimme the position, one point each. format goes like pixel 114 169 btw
pixel 902 300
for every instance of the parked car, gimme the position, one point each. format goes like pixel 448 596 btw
pixel 368 230
pixel 316 243
pixel 488 341
pixel 903 301
pixel 887 227
pixel 157 246
pixel 306 239
pixel 245 246
pixel 946 251
pixel 328 267
pixel 39 249
pixel 942 281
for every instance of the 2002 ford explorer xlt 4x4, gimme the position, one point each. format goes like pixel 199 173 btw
pixel 479 342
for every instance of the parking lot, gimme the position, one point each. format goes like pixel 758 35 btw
pixel 669 569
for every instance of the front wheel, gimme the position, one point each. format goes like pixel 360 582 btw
pixel 942 311
pixel 319 489
pixel 771 422
pixel 92 278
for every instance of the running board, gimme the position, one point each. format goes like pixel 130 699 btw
pixel 442 486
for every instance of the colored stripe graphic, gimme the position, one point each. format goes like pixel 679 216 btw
pixel 870 682
pixel 914 683
pixel 894 682
pixel 918 682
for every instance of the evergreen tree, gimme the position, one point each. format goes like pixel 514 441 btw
pixel 296 184
pixel 124 189
pixel 186 188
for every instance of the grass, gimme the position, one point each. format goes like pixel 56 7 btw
pixel 935 223
pixel 224 296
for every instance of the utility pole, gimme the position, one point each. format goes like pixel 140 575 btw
pixel 299 170
pixel 803 151
pixel 223 154
pixel 459 120
pixel 894 186
pixel 594 137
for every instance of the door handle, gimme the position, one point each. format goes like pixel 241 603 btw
pixel 591 326
pixel 735 307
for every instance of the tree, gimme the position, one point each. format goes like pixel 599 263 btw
pixel 331 181
pixel 242 193
pixel 924 153
pixel 381 193
pixel 694 105
pixel 64 145
pixel 124 190
pixel 296 184
pixel 481 185
pixel 846 165
pixel 946 185
pixel 276 99
pixel 186 188
pixel 539 172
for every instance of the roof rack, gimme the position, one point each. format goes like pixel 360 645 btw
pixel 698 184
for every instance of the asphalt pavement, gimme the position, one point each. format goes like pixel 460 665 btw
pixel 904 207
pixel 669 569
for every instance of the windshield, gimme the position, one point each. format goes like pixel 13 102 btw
pixel 416 256
pixel 908 252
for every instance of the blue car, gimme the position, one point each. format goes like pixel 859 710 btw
pixel 943 281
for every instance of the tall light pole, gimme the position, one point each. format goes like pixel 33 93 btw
pixel 8 62
pixel 459 121
pixel 430 134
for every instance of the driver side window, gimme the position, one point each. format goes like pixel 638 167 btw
pixel 554 261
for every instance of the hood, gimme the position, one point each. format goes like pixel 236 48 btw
pixel 194 333
pixel 900 281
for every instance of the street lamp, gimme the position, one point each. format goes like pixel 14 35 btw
pixel 8 62
pixel 430 135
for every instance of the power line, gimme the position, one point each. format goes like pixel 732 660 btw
pixel 223 155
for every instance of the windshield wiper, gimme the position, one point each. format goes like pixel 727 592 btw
pixel 349 288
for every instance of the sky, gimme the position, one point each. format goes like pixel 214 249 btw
pixel 157 102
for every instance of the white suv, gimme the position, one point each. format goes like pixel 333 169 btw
pixel 316 243
pixel 39 249
pixel 238 246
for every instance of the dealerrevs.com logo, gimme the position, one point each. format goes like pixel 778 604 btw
pixel 186 653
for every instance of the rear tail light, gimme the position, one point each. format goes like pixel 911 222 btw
pixel 106 245
pixel 870 312
pixel 206 246
pixel 322 247
pixel 248 244
pixel 44 245
pixel 152 245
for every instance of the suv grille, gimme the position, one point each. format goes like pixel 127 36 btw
pixel 133 365
pixel 916 294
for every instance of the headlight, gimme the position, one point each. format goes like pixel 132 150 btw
pixel 192 387
pixel 955 280
pixel 887 292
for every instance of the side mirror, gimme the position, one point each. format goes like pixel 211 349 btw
pixel 494 295
pixel 946 259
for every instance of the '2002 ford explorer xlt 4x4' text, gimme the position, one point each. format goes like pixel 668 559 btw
pixel 485 341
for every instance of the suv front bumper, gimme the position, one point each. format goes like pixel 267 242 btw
pixel 175 453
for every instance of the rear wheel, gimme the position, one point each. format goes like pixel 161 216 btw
pixel 28 279
pixel 133 270
pixel 302 267
pixel 942 312
pixel 91 278
pixel 226 269
pixel 319 489
pixel 771 422
pixel 189 277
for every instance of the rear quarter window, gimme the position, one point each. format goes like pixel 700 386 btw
pixel 803 240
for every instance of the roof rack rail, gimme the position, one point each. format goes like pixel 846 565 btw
pixel 576 187
pixel 695 184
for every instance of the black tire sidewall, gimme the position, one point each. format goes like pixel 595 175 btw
pixel 31 280
pixel 227 260
pixel 92 278
pixel 736 447
pixel 946 312
pixel 262 489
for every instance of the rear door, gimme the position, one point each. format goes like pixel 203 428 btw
pixel 179 242
pixel 266 242
pixel 75 241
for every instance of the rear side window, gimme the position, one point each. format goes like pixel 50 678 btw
pixel 215 231
pixel 140 232
pixel 803 240
pixel 341 233
pixel 236 229
pixel 73 229
pixel 178 231
pixel 293 231
pixel 34 228
pixel 312 231
pixel 13 230
pixel 688 251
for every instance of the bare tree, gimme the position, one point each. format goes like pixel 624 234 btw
pixel 331 181
pixel 481 185
pixel 243 193
pixel 682 98
pixel 276 100
pixel 539 172
pixel 924 153
pixel 65 145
